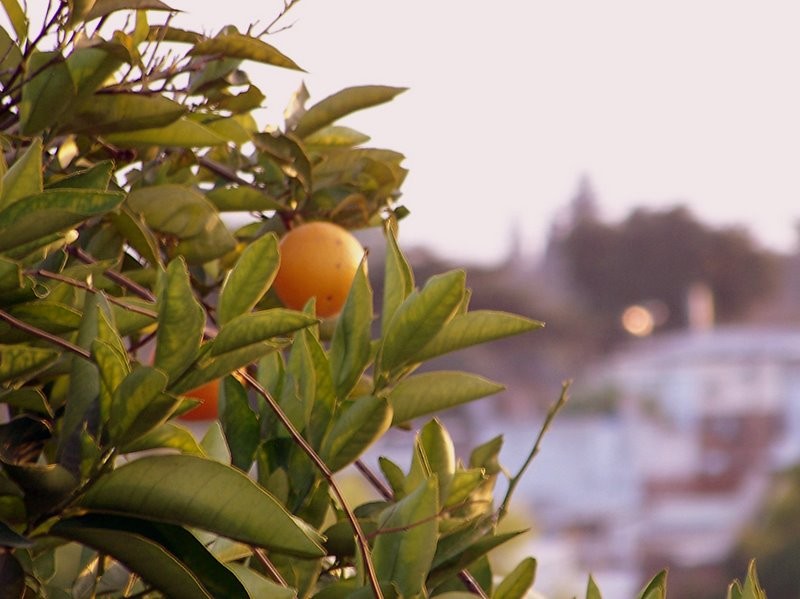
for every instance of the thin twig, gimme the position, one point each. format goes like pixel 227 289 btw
pixel 118 278
pixel 269 566
pixel 514 481
pixel 327 473
pixel 37 332
pixel 86 287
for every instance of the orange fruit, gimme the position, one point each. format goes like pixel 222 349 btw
pixel 318 259
pixel 208 394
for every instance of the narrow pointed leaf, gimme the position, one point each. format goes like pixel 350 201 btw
pixel 51 211
pixel 144 556
pixel 592 590
pixel 656 588
pixel 431 392
pixel 249 279
pixel 17 17
pixel 236 45
pixel 10 538
pixel 242 199
pixel 115 113
pixel 218 366
pixel 336 136
pixel 518 582
pixel 139 405
pixel 182 133
pixel 398 280
pixel 19 361
pixel 103 8
pixel 205 494
pixel 351 344
pixel 181 320
pixel 240 424
pixel 166 436
pixel 420 318
pixel 355 430
pixel 342 103
pixel 259 586
pixel 256 327
pixel 437 446
pixel 473 328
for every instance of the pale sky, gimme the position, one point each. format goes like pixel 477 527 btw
pixel 511 101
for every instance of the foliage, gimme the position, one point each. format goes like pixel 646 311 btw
pixel 123 288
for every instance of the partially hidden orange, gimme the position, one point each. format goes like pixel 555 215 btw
pixel 208 394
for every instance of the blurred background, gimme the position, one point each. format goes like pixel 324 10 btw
pixel 627 173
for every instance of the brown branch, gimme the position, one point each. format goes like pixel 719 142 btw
pixel 118 278
pixel 49 337
pixel 363 543
pixel 269 566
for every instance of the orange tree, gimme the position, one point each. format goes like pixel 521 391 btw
pixel 125 140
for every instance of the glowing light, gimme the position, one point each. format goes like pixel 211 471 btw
pixel 638 320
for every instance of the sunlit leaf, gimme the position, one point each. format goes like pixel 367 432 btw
pixel 249 279
pixel 17 17
pixel 592 590
pixel 237 45
pixel 182 133
pixel 114 113
pixel 24 177
pixel 431 392
pixel 255 327
pixel 656 588
pixel 18 361
pixel 205 494
pixel 242 199
pixel 139 405
pixel 517 583
pixel 355 430
pixel 103 8
pixel 341 104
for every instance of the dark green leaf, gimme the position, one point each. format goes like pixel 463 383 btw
pixel 51 211
pixel 181 321
pixel 237 45
pixel 214 367
pixel 10 274
pixel 351 346
pixel 355 430
pixel 398 279
pixel 47 94
pixel 10 57
pixel 166 436
pixel 11 538
pixel 139 405
pixel 431 392
pixel 517 583
pixel 137 235
pixel 249 279
pixel 45 486
pixel 419 319
pixel 24 177
pixel 27 398
pixel 205 494
pixel 341 104
pixel 144 556
pixel 240 424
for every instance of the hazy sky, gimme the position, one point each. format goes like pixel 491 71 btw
pixel 511 101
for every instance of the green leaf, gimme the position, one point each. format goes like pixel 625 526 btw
pixel 248 100
pixel 166 436
pixel 592 590
pixel 342 103
pixel 236 45
pixel 351 346
pixel 656 588
pixel 10 274
pixel 403 557
pixel 240 424
pixel 115 113
pixel 459 551
pixel 104 8
pixel 24 178
pixel 419 319
pixel 242 199
pixel 517 583
pixel 336 136
pixel 436 447
pixel 47 94
pixel 431 392
pixel 17 17
pixel 96 178
pixel 255 327
pixel 10 59
pixel 139 405
pixel 211 368
pixel 91 66
pixel 20 361
pixel 398 279
pixel 355 430
pixel 11 538
pixel 205 494
pixel 215 445
pixel 45 486
pixel 249 279
pixel 473 328
pixel 751 588
pixel 464 483
pixel 51 211
pixel 138 235
pixel 133 548
pixel 27 398
pixel 181 321
pixel 259 586
pixel 182 133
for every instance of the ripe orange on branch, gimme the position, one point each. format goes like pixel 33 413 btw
pixel 208 394
pixel 318 259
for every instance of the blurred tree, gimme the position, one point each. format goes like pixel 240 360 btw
pixel 657 255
